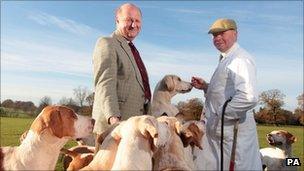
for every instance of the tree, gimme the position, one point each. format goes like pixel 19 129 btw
pixel 66 101
pixel 25 106
pixel 90 99
pixel 69 102
pixel 191 110
pixel 299 111
pixel 80 94
pixel 300 99
pixel 273 101
pixel 44 101
pixel 8 103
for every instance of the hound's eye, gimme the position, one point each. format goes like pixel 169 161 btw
pixel 179 79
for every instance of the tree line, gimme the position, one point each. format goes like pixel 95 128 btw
pixel 82 103
pixel 273 112
pixel 270 112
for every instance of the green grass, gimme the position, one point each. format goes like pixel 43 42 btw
pixel 12 128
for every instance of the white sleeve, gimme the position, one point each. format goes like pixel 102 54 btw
pixel 242 73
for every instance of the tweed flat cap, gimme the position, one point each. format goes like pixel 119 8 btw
pixel 221 25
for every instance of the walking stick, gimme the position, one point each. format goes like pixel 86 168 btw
pixel 222 132
pixel 232 157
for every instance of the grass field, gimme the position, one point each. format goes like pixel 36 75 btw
pixel 12 128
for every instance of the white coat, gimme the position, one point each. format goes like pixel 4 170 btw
pixel 234 77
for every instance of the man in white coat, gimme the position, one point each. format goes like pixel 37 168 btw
pixel 235 78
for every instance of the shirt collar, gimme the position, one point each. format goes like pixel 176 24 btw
pixel 229 51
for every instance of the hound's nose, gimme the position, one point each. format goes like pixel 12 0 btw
pixel 93 121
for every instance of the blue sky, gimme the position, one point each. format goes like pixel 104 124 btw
pixel 46 46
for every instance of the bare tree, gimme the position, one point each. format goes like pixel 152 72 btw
pixel 66 101
pixel 273 100
pixel 69 102
pixel 44 101
pixel 80 94
pixel 300 99
pixel 299 111
pixel 90 99
pixel 63 101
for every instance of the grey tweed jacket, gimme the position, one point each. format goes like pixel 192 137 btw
pixel 118 84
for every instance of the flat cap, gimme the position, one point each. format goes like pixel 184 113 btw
pixel 221 25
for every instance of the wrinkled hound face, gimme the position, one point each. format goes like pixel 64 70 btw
pixel 174 83
pixel 280 138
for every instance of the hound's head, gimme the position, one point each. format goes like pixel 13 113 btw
pixel 174 83
pixel 61 121
pixel 190 132
pixel 143 126
pixel 280 138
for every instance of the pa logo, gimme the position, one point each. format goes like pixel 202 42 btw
pixel 293 162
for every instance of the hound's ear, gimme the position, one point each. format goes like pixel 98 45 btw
pixel 148 128
pixel 49 118
pixel 55 123
pixel 169 82
pixel 290 138
pixel 150 131
pixel 186 137
pixel 191 134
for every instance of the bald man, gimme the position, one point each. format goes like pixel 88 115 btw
pixel 120 78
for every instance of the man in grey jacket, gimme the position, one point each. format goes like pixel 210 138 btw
pixel 235 78
pixel 121 82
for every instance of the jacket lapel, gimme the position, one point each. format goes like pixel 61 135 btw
pixel 124 45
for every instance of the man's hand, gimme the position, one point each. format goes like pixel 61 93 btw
pixel 114 120
pixel 199 83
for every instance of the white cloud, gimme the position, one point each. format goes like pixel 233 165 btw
pixel 34 56
pixel 60 22
pixel 188 11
